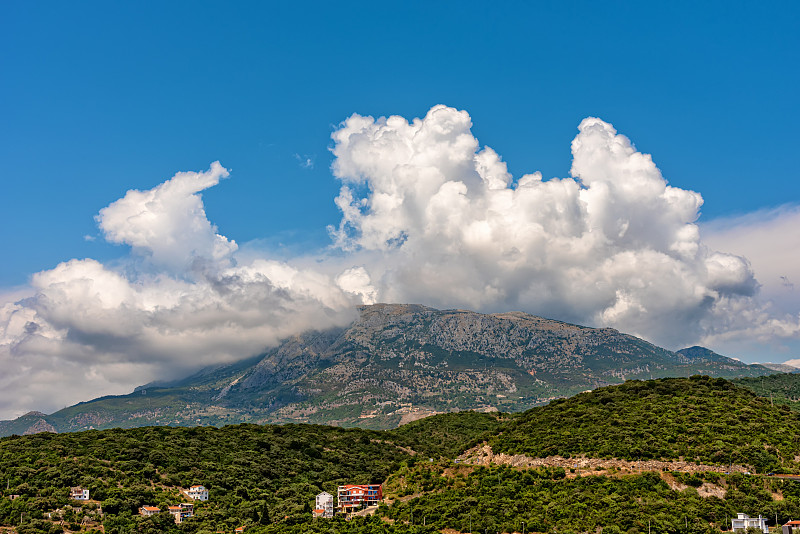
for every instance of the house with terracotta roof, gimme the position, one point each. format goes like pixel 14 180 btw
pixel 181 512
pixel 147 511
pixel 354 496
pixel 240 529
pixel 792 527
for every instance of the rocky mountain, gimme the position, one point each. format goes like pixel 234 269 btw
pixel 781 367
pixel 398 363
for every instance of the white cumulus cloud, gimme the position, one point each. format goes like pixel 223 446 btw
pixel 168 223
pixel 85 329
pixel 437 218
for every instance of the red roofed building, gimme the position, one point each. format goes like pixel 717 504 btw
pixel 354 496
pixel 181 512
pixel 791 527
pixel 147 511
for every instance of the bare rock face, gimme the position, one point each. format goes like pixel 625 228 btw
pixel 399 359
pixel 40 426
pixel 483 455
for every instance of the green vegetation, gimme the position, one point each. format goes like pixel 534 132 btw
pixel 266 477
pixel 502 498
pixel 257 475
pixel 781 388
pixel 708 420
pixel 253 472
pixel 447 435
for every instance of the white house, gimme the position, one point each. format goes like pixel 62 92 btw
pixel 197 493
pixel 324 505
pixel 79 494
pixel 744 521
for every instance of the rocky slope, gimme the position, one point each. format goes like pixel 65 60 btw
pixel 400 362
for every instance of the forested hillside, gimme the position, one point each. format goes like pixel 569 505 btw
pixel 447 435
pixel 257 475
pixel 254 473
pixel 266 477
pixel 501 499
pixel 709 420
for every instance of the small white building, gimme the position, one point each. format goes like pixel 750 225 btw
pixel 324 505
pixel 79 494
pixel 744 521
pixel 197 493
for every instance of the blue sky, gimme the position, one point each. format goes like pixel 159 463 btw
pixel 100 98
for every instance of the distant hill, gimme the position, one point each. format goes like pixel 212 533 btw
pixel 702 354
pixel 781 367
pixel 397 363
pixel 707 420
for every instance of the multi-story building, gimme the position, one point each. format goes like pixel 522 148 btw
pixel 354 496
pixel 744 521
pixel 181 512
pixel 147 511
pixel 324 505
pixel 79 494
pixel 197 493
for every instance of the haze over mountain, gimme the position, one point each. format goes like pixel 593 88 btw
pixel 395 363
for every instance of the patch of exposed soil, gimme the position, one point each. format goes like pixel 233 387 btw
pixel 483 455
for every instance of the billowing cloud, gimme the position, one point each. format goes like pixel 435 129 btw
pixel 87 329
pixel 445 223
pixel 770 241
pixel 168 223
pixel 428 216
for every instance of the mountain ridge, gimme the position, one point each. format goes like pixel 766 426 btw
pixel 395 363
